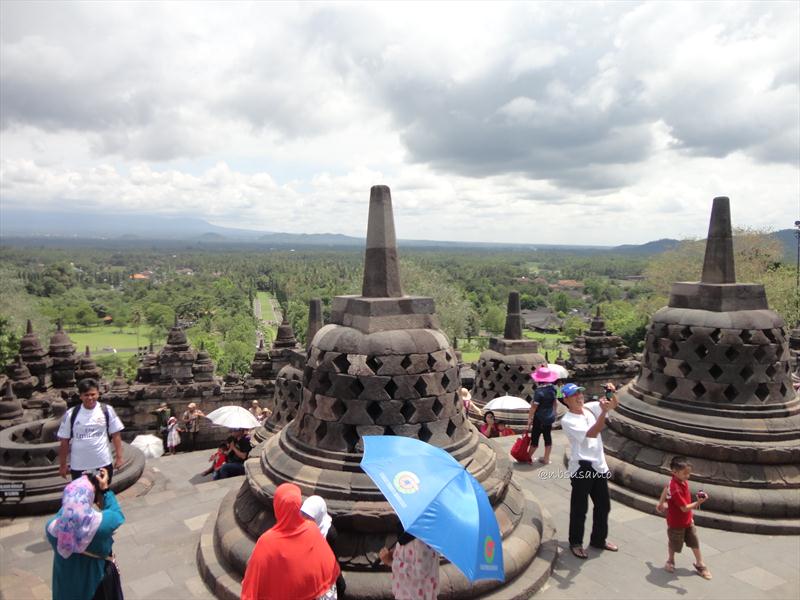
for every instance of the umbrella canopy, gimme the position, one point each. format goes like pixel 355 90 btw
pixel 438 501
pixel 233 417
pixel 507 403
pixel 150 445
pixel 561 371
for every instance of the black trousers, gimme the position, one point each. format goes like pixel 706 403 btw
pixel 537 429
pixel 109 468
pixel 588 483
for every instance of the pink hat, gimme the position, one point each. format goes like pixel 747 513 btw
pixel 544 375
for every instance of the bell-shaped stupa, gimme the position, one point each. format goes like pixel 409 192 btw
pixel 381 366
pixel 714 386
pixel 64 360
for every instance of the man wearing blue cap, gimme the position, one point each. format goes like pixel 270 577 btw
pixel 587 467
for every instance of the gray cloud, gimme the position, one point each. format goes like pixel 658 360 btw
pixel 572 94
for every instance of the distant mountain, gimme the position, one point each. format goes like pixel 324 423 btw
pixel 656 247
pixel 25 227
pixel 17 222
pixel 310 239
pixel 788 237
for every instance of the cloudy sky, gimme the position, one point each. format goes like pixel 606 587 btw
pixel 541 122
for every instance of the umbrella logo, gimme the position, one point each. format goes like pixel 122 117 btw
pixel 406 482
pixel 488 549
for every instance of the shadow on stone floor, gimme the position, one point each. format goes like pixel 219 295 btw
pixel 658 576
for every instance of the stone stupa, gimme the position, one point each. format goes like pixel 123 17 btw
pixel 381 366
pixel 505 369
pixel 715 386
pixel 597 357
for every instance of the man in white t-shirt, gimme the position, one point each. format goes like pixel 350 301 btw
pixel 84 436
pixel 588 471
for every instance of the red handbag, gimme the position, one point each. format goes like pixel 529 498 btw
pixel 519 451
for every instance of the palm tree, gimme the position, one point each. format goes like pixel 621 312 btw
pixel 137 317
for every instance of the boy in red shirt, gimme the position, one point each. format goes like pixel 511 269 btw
pixel 677 500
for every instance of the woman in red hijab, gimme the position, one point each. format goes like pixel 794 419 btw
pixel 292 559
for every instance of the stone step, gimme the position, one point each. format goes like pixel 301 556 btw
pixel 705 518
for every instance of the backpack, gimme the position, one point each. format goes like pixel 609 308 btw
pixel 73 417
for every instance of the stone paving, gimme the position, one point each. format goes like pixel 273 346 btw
pixel 157 545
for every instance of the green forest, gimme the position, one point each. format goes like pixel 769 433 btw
pixel 118 300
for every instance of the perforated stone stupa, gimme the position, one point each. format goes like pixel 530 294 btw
pixel 380 367
pixel 505 368
pixel 715 385
pixel 597 357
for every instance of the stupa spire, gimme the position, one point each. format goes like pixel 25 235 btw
pixel 314 319
pixel 718 265
pixel 381 269
pixel 513 330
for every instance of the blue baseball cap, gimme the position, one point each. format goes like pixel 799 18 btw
pixel 571 389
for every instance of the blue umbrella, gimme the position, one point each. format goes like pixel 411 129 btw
pixel 437 501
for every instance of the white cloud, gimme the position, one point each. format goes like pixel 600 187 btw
pixel 497 121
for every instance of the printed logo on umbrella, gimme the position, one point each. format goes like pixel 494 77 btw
pixel 488 549
pixel 406 482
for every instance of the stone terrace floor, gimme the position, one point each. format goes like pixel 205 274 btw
pixel 156 546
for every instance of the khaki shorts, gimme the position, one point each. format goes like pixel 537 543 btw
pixel 682 535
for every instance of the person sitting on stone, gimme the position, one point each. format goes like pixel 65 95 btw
pixel 239 447
pixel 491 427
pixel 292 559
pixel 49 432
pixel 218 458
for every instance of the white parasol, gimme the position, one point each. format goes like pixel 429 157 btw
pixel 507 403
pixel 150 445
pixel 233 417
pixel 561 371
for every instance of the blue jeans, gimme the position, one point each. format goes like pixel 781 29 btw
pixel 229 469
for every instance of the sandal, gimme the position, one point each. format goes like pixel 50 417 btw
pixel 611 547
pixel 669 567
pixel 702 570
pixel 544 462
pixel 578 552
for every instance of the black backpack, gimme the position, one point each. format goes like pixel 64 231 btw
pixel 74 416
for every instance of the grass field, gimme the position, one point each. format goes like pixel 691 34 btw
pixel 548 342
pixel 104 337
pixel 470 357
pixel 265 298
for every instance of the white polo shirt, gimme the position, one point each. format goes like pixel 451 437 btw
pixel 581 447
pixel 89 448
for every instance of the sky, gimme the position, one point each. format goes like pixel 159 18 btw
pixel 596 123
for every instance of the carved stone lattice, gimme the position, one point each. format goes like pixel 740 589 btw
pixel 715 386
pixel 380 367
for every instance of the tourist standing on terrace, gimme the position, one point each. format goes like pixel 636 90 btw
pixel 292 559
pixel 191 425
pixel 542 414
pixel 587 467
pixel 84 433
pixel 81 534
